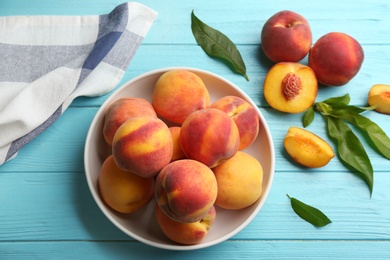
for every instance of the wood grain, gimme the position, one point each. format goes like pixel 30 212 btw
pixel 47 211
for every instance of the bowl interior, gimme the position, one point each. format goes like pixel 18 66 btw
pixel 142 225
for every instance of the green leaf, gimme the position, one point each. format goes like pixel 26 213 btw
pixel 338 101
pixel 310 214
pixel 326 106
pixel 323 108
pixel 218 45
pixel 350 149
pixel 308 117
pixel 352 109
pixel 378 137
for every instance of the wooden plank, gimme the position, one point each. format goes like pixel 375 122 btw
pixel 51 206
pixel 59 206
pixel 46 210
pixel 61 146
pixel 241 22
pixel 256 249
pixel 151 57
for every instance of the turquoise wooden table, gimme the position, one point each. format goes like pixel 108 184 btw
pixel 47 211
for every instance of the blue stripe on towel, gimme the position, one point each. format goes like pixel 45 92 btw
pixel 100 50
pixel 111 28
pixel 115 45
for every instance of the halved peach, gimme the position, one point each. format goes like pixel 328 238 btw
pixel 290 87
pixel 379 96
pixel 306 148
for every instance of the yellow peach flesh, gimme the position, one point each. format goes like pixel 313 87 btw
pixel 379 96
pixel 307 148
pixel 290 87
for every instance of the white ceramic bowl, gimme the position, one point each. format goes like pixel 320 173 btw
pixel 142 225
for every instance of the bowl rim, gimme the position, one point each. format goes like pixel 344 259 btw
pixel 178 247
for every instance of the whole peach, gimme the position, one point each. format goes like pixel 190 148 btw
pixel 286 36
pixel 185 190
pixel 243 114
pixel 121 110
pixel 185 233
pixel 177 151
pixel 336 58
pixel 123 191
pixel 239 181
pixel 178 93
pixel 142 145
pixel 209 136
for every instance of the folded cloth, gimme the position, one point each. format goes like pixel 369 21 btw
pixel 48 61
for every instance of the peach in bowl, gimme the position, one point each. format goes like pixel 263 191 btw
pixel 149 224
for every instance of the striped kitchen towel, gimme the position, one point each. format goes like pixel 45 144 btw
pixel 48 61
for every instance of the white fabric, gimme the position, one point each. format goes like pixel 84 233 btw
pixel 48 61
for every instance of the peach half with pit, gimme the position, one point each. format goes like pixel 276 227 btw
pixel 185 233
pixel 286 36
pixel 336 58
pixel 121 110
pixel 243 114
pixel 379 96
pixel 178 93
pixel 185 190
pixel 290 87
pixel 209 136
pixel 123 191
pixel 307 148
pixel 239 181
pixel 142 145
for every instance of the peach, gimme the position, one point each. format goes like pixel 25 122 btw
pixel 209 136
pixel 178 93
pixel 379 96
pixel 239 181
pixel 290 87
pixel 307 148
pixel 123 191
pixel 177 151
pixel 185 233
pixel 121 110
pixel 243 114
pixel 185 190
pixel 336 58
pixel 286 36
pixel 142 145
